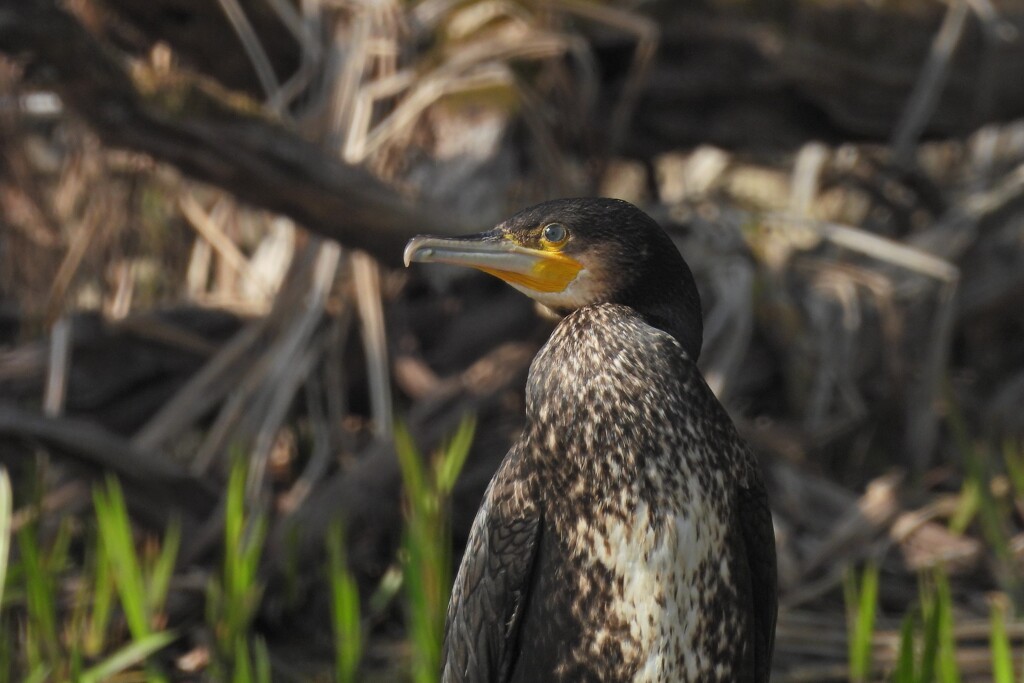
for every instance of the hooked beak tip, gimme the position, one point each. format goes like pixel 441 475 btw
pixel 412 250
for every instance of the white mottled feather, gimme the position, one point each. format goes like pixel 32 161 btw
pixel 655 559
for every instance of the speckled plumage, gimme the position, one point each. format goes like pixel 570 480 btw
pixel 626 535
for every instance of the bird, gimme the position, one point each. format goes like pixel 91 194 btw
pixel 626 535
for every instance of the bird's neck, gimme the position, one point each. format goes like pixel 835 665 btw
pixel 667 319
pixel 668 308
pixel 602 359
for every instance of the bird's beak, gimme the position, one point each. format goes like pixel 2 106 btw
pixel 492 252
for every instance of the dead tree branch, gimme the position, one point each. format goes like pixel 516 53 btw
pixel 211 137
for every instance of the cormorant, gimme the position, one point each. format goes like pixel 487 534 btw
pixel 626 535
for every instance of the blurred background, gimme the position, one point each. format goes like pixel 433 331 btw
pixel 231 423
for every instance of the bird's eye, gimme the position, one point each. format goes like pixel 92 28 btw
pixel 554 235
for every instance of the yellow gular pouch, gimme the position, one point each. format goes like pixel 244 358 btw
pixel 551 272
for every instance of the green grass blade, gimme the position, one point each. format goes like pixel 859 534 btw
pixel 234 574
pixel 905 669
pixel 234 528
pixel 128 656
pixel 243 667
pixel 244 536
pixel 103 601
pixel 426 544
pixel 6 511
pixel 1013 457
pixel 39 589
pixel 344 609
pixel 948 670
pixel 163 568
pixel 861 608
pixel 967 507
pixel 75 659
pixel 117 543
pixel 866 618
pixel 993 515
pixel 932 626
pixel 262 661
pixel 1002 654
pixel 56 559
pixel 234 596
pixel 454 456
pixel 413 475
pixel 75 628
pixel 424 559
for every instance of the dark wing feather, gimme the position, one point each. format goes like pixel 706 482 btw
pixel 481 634
pixel 755 519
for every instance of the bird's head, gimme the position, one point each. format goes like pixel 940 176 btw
pixel 570 253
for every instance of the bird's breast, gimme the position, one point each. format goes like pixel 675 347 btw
pixel 638 502
pixel 661 569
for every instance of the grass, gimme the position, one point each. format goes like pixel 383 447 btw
pixel 102 617
pixel 927 642
pixel 83 641
pixel 142 582
pixel 426 548
pixel 233 597
pixel 999 641
pixel 98 613
pixel 861 603
pixel 979 504
pixel 345 611
pixel 39 568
